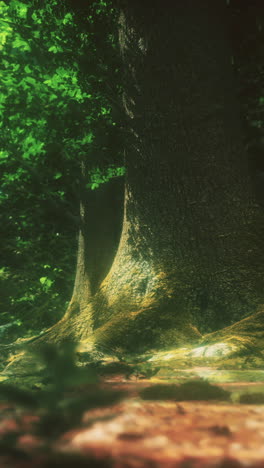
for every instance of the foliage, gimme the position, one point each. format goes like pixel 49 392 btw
pixel 63 391
pixel 55 114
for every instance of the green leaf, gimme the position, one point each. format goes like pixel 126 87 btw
pixel 55 49
pixel 3 156
pixel 67 18
pixel 105 111
pixel 30 80
pixel 46 282
pixel 18 322
pixel 43 279
pixel 27 69
pixel 36 18
pixel 87 139
pixel 20 8
pixel 19 43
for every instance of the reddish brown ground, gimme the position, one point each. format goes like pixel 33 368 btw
pixel 141 434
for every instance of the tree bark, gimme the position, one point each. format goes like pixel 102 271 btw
pixel 191 249
pixel 101 213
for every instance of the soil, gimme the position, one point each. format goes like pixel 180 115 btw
pixel 136 433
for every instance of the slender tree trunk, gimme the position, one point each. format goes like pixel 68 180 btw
pixel 101 213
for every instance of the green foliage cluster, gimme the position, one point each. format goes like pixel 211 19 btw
pixel 55 107
pixel 62 393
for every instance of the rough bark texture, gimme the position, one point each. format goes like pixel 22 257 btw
pixel 191 249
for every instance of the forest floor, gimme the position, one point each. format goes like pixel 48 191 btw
pixel 134 432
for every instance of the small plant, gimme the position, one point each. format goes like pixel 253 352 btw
pixel 63 393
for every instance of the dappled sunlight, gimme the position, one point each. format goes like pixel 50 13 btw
pixel 213 351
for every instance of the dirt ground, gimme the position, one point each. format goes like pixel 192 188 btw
pixel 136 433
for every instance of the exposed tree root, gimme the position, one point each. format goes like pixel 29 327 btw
pixel 237 346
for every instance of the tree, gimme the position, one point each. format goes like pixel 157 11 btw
pixel 189 259
pixel 190 254
pixel 54 116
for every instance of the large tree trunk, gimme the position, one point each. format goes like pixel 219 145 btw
pixel 191 249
